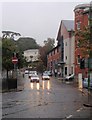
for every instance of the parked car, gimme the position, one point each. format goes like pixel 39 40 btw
pixel 26 71
pixel 34 78
pixel 48 72
pixel 85 83
pixel 70 77
pixel 45 76
pixel 31 73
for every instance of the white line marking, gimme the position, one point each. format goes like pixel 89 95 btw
pixel 79 110
pixel 69 116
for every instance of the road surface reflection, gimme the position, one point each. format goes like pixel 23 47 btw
pixel 41 85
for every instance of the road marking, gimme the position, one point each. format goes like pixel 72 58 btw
pixel 69 116
pixel 79 110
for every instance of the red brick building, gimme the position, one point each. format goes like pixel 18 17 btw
pixel 81 20
pixel 53 58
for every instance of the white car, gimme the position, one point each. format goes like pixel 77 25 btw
pixel 34 78
pixel 26 71
pixel 45 76
pixel 31 73
pixel 71 77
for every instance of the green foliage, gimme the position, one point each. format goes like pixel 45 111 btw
pixel 49 45
pixel 25 43
pixel 21 60
pixel 84 40
pixel 9 34
pixel 8 47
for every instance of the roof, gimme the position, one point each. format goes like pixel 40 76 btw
pixel 69 24
pixel 53 49
pixel 82 6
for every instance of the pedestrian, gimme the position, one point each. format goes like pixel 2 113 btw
pixel 55 72
pixel 23 75
pixel 59 74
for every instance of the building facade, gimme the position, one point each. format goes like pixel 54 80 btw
pixel 81 20
pixel 31 55
pixel 66 40
pixel 63 60
pixel 53 58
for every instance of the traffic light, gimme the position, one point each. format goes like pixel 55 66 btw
pixel 82 63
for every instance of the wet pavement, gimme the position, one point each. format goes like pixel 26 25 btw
pixel 46 99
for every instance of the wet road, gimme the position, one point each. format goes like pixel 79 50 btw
pixel 46 99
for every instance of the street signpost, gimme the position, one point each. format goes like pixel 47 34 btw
pixel 14 60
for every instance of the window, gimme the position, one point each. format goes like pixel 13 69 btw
pixel 66 57
pixel 66 44
pixel 58 49
pixel 65 70
pixel 51 63
pixel 54 51
pixel 78 25
pixel 71 70
pixel 78 59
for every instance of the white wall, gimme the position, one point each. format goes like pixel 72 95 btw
pixel 69 49
pixel 31 52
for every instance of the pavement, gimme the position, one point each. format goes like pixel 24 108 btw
pixel 84 91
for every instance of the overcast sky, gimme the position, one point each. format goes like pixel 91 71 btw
pixel 36 19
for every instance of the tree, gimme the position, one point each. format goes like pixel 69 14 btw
pixel 25 43
pixel 48 45
pixel 83 41
pixel 8 47
pixel 10 34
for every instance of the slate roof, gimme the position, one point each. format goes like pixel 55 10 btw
pixel 69 24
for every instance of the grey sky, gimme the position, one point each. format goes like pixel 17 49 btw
pixel 36 19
